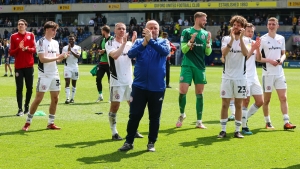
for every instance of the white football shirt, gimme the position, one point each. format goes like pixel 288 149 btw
pixel 271 49
pixel 121 68
pixel 72 61
pixel 50 49
pixel 251 66
pixel 235 61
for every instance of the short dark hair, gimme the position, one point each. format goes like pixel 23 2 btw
pixel 106 29
pixel 50 24
pixel 72 36
pixel 23 20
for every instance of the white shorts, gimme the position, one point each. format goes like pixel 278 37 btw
pixel 120 93
pixel 233 88
pixel 45 84
pixel 254 88
pixel 71 73
pixel 278 81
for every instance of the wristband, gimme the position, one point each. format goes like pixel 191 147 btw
pixel 208 46
pixel 229 46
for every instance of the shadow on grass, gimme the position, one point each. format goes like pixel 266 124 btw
pixel 204 141
pixel 20 132
pixel 87 103
pixel 297 166
pixel 83 144
pixel 7 116
pixel 172 130
pixel 113 157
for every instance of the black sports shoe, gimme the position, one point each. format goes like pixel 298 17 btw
pixel 237 134
pixel 72 101
pixel 222 134
pixel 150 147
pixel 26 109
pixel 168 86
pixel 116 137
pixel 5 75
pixel 20 112
pixel 138 135
pixel 67 101
pixel 126 147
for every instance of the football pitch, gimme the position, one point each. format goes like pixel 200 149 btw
pixel 85 138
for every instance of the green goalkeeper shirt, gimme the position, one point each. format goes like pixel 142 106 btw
pixel 196 56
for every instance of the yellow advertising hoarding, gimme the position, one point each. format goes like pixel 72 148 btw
pixel 17 8
pixel 213 5
pixel 114 6
pixel 64 7
pixel 293 3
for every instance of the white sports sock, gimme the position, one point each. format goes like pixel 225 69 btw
pixel 29 118
pixel 223 124
pixel 112 117
pixel 286 118
pixel 73 92
pixel 244 117
pixel 237 125
pixel 51 119
pixel 253 109
pixel 67 90
pixel 267 119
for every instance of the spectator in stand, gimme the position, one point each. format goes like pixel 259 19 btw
pixel 104 20
pixel 299 21
pixel 180 21
pixel 84 56
pixel 86 29
pixel 287 54
pixel 91 22
pixel 186 22
pixel 33 23
pixel 295 20
pixel 294 28
pixel 191 21
pixel 173 49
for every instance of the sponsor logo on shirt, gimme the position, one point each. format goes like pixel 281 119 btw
pixel 235 51
pixel 274 48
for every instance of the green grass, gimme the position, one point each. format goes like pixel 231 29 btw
pixel 85 138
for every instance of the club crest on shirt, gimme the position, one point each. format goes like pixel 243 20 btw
pixel 268 87
pixel 44 87
pixel 279 42
pixel 223 92
pixel 28 37
pixel 117 96
pixel 203 37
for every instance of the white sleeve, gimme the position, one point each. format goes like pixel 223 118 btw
pixel 225 41
pixel 57 47
pixel 65 49
pixel 109 47
pixel 283 44
pixel 40 46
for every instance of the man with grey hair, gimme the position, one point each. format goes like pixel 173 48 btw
pixel 148 86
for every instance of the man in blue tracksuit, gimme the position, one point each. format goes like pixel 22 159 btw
pixel 148 85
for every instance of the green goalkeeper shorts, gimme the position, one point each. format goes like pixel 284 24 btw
pixel 188 73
